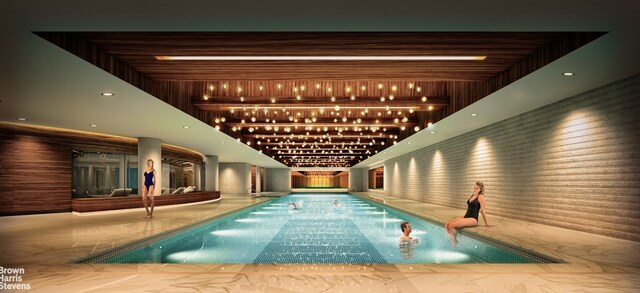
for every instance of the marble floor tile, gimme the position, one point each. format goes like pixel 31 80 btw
pixel 46 246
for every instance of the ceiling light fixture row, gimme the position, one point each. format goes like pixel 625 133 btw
pixel 282 114
pixel 299 90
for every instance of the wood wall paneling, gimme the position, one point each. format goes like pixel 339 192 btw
pixel 36 164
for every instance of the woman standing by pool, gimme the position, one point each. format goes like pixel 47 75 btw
pixel 148 188
pixel 475 204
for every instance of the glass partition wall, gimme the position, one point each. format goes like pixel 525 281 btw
pixel 100 174
pixel 179 176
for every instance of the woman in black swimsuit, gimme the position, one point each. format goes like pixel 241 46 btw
pixel 475 204
pixel 149 187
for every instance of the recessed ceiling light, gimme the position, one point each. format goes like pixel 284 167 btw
pixel 319 58
pixel 432 132
pixel 474 114
pixel 107 94
pixel 21 119
pixel 568 74
pixel 186 127
pixel 93 125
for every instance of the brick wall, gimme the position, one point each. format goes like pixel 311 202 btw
pixel 573 164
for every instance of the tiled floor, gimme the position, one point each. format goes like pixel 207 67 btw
pixel 45 244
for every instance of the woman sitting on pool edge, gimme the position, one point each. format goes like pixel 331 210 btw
pixel 475 204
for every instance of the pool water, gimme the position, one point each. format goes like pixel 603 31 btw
pixel 353 231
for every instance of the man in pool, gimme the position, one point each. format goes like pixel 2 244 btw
pixel 405 238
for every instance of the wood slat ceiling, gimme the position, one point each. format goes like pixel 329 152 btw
pixel 502 49
pixel 320 113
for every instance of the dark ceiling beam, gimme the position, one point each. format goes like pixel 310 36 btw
pixel 333 134
pixel 314 104
pixel 315 125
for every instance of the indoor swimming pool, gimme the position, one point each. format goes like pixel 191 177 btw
pixel 324 228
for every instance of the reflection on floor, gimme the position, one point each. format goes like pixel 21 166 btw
pixel 45 244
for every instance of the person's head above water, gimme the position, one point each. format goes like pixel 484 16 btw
pixel 405 226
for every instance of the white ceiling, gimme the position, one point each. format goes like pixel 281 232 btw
pixel 51 87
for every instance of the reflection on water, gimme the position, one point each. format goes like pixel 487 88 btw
pixel 319 231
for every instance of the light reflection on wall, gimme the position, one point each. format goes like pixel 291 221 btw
pixel 577 127
pixel 397 189
pixel 438 177
pixel 413 168
pixel 482 165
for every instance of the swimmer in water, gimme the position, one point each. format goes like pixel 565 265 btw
pixel 406 241
pixel 406 230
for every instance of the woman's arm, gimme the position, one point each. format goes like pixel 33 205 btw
pixel 482 210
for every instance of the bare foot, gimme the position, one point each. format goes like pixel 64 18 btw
pixel 147 216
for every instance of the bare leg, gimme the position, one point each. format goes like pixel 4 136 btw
pixel 460 223
pixel 150 194
pixel 145 191
pixel 446 225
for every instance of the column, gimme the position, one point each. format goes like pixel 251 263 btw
pixel 197 175
pixel 258 179
pixel 211 172
pixel 150 148
pixel 235 178
pixel 122 177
